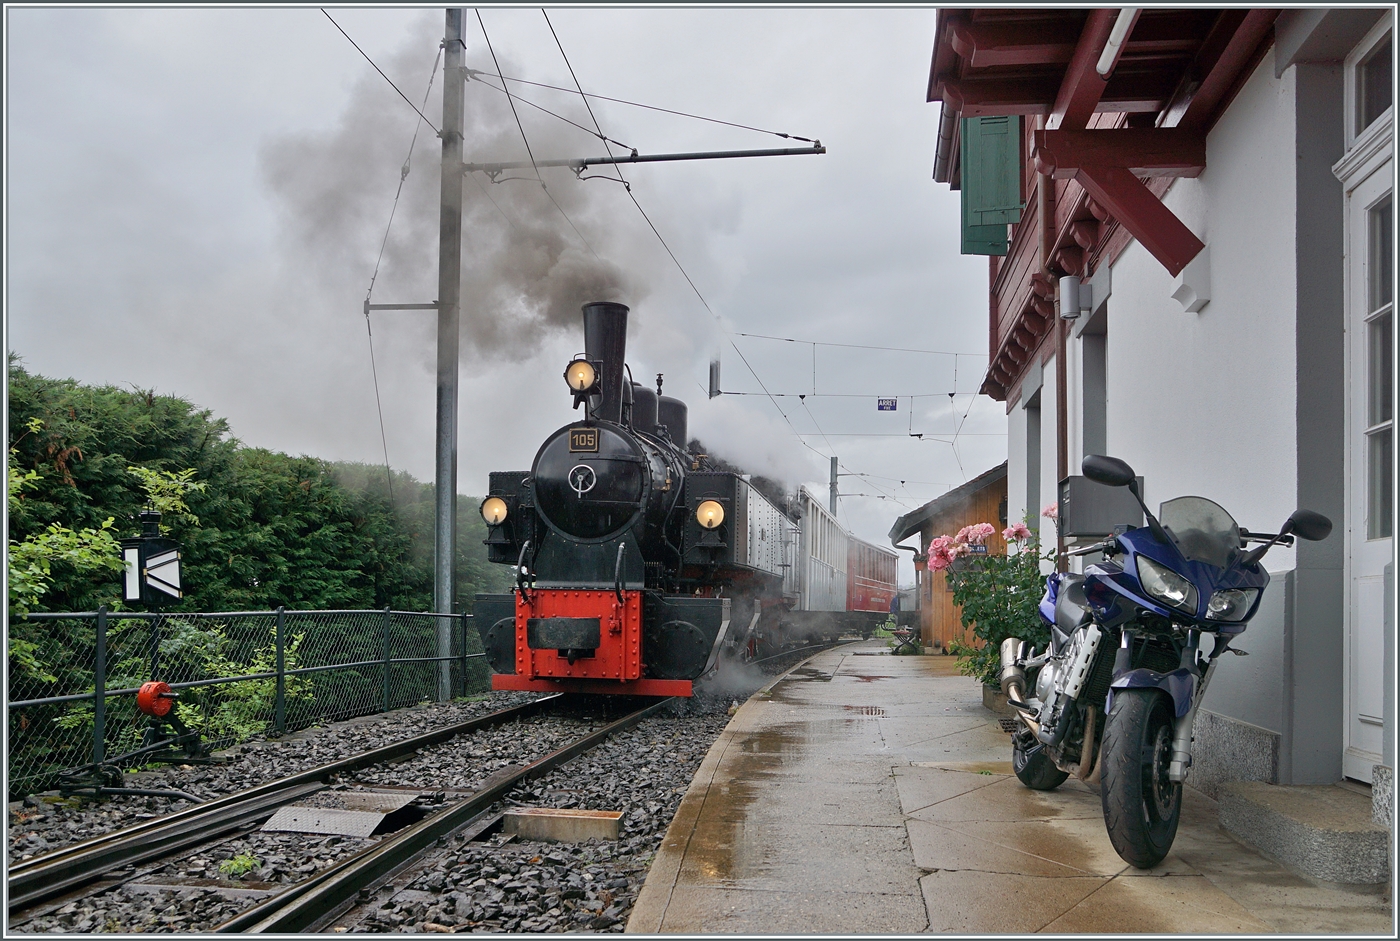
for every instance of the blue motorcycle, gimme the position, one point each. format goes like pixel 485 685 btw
pixel 1114 698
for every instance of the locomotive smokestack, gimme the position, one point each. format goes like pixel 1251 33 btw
pixel 605 341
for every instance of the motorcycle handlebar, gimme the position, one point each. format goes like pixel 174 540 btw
pixel 1096 547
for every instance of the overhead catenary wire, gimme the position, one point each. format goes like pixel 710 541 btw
pixel 518 124
pixel 681 268
pixel 859 346
pixel 381 72
pixel 552 114
pixel 690 281
pixel 637 104
pixel 369 293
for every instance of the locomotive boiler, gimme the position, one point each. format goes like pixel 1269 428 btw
pixel 636 564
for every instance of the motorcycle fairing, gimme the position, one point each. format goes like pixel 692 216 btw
pixel 1123 579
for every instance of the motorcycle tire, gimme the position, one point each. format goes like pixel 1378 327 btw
pixel 1033 767
pixel 1141 805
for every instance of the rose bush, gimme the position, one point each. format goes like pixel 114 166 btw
pixel 998 594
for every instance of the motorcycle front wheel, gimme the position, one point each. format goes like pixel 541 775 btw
pixel 1141 804
pixel 1033 767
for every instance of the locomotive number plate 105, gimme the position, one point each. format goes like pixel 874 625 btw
pixel 583 439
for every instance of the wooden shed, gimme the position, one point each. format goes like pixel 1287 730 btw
pixel 980 500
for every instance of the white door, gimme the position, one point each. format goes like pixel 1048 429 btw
pixel 1370 447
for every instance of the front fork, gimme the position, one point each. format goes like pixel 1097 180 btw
pixel 1181 741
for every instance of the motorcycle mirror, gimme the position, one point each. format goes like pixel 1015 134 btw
pixel 1305 524
pixel 1108 470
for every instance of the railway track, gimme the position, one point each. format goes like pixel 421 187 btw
pixel 312 903
pixel 62 873
pixel 444 869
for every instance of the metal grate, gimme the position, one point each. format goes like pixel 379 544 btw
pixel 1008 725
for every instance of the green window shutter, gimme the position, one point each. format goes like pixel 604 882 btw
pixel 991 182
pixel 991 169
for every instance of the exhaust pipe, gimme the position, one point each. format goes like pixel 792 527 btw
pixel 1013 681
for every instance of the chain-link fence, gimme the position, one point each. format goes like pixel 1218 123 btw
pixel 238 674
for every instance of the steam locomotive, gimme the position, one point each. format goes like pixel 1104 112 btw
pixel 638 564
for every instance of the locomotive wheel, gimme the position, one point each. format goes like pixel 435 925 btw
pixel 1033 767
pixel 1141 804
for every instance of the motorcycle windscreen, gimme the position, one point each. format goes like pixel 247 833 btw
pixel 1203 531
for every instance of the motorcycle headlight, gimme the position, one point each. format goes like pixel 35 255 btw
pixel 1231 604
pixel 1165 585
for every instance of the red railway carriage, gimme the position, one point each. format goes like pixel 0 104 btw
pixel 871 577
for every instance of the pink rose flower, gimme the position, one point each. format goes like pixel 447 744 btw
pixel 1051 511
pixel 1017 533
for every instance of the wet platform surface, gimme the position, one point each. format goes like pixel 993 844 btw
pixel 874 795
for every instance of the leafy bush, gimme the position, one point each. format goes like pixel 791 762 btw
pixel 999 594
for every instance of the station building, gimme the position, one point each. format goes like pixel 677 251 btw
pixel 1221 183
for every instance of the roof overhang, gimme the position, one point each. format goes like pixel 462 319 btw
pixel 913 521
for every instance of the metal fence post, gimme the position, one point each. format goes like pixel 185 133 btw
pixel 462 653
pixel 386 659
pixel 279 708
pixel 99 690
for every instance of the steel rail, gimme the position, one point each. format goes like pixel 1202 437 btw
pixel 35 880
pixel 303 906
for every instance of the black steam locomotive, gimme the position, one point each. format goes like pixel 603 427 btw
pixel 633 559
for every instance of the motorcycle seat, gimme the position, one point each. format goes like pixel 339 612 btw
pixel 1071 605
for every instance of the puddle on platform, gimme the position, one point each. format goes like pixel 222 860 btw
pixel 720 847
pixel 868 677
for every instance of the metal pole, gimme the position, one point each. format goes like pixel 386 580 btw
pixel 449 308
pixel 386 659
pixel 833 486
pixel 462 651
pixel 279 709
pixel 99 690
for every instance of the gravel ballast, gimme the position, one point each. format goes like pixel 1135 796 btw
pixel 492 885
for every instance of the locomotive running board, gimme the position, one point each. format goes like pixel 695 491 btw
pixel 510 681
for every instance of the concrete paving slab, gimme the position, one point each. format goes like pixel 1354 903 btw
pixel 779 854
pixel 944 848
pixel 1181 904
pixel 920 788
pixel 1007 799
pixel 706 910
pixel 825 808
pixel 1000 903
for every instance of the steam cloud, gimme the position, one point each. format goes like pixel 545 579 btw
pixel 525 272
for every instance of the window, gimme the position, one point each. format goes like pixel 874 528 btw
pixel 1373 85
pixel 1380 369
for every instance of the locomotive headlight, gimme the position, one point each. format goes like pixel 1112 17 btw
pixel 709 514
pixel 581 376
pixel 493 510
pixel 1165 585
pixel 1230 604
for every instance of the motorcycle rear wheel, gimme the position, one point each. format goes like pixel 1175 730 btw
pixel 1033 767
pixel 1141 804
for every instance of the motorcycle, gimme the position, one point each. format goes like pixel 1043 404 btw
pixel 1114 698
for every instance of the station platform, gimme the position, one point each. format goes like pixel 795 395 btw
pixel 864 793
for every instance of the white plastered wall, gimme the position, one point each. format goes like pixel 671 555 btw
pixel 1016 464
pixel 1205 403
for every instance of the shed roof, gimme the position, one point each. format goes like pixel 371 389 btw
pixel 913 521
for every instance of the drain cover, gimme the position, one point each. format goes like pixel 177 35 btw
pixel 325 820
pixel 359 813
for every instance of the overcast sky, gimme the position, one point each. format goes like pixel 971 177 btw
pixel 196 200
